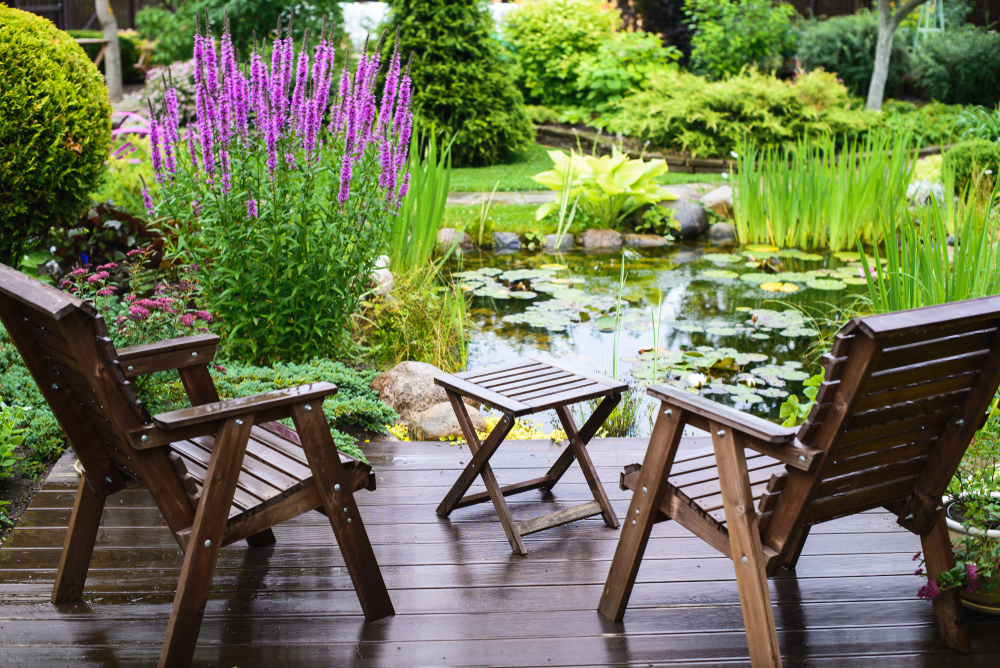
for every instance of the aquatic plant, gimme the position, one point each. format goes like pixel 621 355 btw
pixel 813 196
pixel 414 231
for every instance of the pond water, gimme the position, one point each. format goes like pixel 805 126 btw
pixel 744 327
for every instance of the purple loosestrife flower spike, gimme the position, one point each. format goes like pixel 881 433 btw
pixel 301 82
pixel 252 208
pixel 205 137
pixel 147 200
pixel 389 92
pixel 345 179
pixel 154 145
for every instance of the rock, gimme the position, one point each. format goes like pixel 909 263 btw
pixel 691 216
pixel 720 201
pixel 549 242
pixel 684 192
pixel 722 233
pixel 506 241
pixel 600 239
pixel 383 280
pixel 446 238
pixel 686 256
pixel 645 240
pixel 383 262
pixel 921 192
pixel 408 388
pixel 439 422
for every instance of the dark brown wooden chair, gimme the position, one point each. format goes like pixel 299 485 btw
pixel 219 472
pixel 904 395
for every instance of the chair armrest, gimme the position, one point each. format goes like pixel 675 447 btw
pixel 761 435
pixel 167 355
pixel 205 420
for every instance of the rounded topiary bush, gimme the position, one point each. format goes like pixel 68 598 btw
pixel 970 159
pixel 55 129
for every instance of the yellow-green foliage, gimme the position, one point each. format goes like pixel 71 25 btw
pixel 123 178
pixel 709 119
pixel 55 128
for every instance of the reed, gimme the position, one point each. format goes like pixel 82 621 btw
pixel 813 196
pixel 414 230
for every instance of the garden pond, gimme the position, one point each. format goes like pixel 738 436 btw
pixel 744 327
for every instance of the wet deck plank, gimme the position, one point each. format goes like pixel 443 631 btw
pixel 462 598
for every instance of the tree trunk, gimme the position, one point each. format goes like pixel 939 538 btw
pixel 112 56
pixel 887 24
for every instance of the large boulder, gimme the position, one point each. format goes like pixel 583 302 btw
pixel 645 240
pixel 408 388
pixel 600 239
pixel 691 216
pixel 446 237
pixel 549 242
pixel 720 201
pixel 506 241
pixel 683 192
pixel 439 422
pixel 722 233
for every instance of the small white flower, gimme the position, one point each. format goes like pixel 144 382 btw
pixel 696 379
pixel 725 175
pixel 988 172
pixel 734 154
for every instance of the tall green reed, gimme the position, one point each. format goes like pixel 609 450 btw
pixel 813 196
pixel 414 231
pixel 919 269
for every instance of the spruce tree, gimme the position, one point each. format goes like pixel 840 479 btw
pixel 462 84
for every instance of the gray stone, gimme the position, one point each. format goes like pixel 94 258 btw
pixel 549 242
pixel 686 256
pixel 645 240
pixel 439 422
pixel 408 388
pixel 691 216
pixel 383 281
pixel 722 233
pixel 720 201
pixel 684 192
pixel 921 192
pixel 506 241
pixel 600 239
pixel 446 238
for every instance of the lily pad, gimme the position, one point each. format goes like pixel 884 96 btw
pixel 799 331
pixel 720 331
pixel 719 273
pixel 757 278
pixel 523 294
pixel 796 254
pixel 606 323
pixel 759 248
pixel 854 280
pixel 721 258
pixel 689 328
pixel 525 274
pixel 492 293
pixel 778 286
pixel 553 267
pixel 826 284
pixel 847 256
pixel 743 308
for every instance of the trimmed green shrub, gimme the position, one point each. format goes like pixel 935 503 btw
pixel 624 62
pixel 970 159
pixel 932 123
pixel 129 48
pixel 549 38
pixel 462 86
pixel 961 67
pixel 845 45
pixel 55 129
pixel 732 34
pixel 174 30
pixel 684 112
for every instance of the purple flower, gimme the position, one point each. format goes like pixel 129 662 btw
pixel 929 591
pixel 972 575
pixel 138 312
pixel 915 557
pixel 154 145
pixel 919 571
pixel 252 208
pixel 147 201
pixel 109 265
pixel 187 319
pixel 204 315
pixel 79 271
pixel 345 179
pixel 106 292
pixel 99 276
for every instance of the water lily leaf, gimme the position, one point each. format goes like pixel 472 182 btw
pixel 689 328
pixel 796 254
pixel 570 281
pixel 772 392
pixel 778 286
pixel 721 258
pixel 492 293
pixel 854 280
pixel 523 294
pixel 799 331
pixel 826 284
pixel 553 267
pixel 606 323
pixel 525 274
pixel 847 256
pixel 762 249
pixel 746 358
pixel 743 308
pixel 467 274
pixel 720 331
pixel 757 278
pixel 760 336
pixel 719 273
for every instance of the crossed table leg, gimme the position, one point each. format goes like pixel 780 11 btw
pixel 480 466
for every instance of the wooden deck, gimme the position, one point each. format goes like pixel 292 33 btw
pixel 462 598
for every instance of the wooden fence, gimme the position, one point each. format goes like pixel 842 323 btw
pixel 78 14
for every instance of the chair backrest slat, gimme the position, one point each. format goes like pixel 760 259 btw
pixel 930 366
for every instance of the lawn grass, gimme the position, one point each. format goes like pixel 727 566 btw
pixel 519 218
pixel 516 176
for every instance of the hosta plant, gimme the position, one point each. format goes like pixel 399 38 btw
pixel 608 187
pixel 284 190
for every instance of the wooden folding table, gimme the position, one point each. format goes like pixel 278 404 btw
pixel 522 388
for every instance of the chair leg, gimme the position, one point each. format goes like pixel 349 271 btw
pixel 587 466
pixel 938 557
pixel 341 509
pixel 587 431
pixel 79 546
pixel 632 543
pixel 204 544
pixel 744 540
pixel 262 539
pixel 798 543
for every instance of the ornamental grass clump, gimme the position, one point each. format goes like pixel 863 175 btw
pixel 284 189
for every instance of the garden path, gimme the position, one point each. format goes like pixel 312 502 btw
pixel 462 598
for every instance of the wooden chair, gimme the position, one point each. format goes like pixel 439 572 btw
pixel 903 396
pixel 219 472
